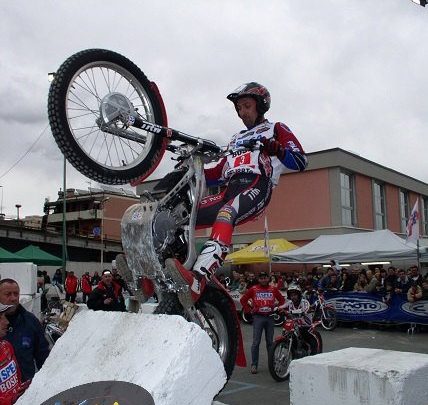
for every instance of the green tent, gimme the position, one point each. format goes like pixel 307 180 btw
pixel 8 257
pixel 38 256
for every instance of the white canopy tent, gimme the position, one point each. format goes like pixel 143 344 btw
pixel 352 248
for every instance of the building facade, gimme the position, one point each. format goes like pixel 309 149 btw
pixel 95 213
pixel 340 192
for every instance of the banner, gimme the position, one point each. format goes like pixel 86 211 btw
pixel 372 307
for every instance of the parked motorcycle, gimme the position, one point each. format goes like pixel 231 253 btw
pixel 324 312
pixel 53 331
pixel 293 344
pixel 109 121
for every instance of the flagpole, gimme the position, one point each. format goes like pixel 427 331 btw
pixel 419 257
pixel 267 246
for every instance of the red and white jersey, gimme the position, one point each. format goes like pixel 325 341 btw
pixel 303 306
pixel 264 299
pixel 10 377
pixel 257 162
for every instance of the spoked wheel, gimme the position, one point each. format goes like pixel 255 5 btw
pixel 214 315
pixel 279 358
pixel 89 99
pixel 329 319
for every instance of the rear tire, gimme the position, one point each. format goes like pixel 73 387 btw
pixel 279 359
pixel 80 85
pixel 215 307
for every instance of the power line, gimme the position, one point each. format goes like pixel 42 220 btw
pixel 26 153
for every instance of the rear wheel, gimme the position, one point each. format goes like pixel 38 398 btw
pixel 329 318
pixel 279 358
pixel 91 92
pixel 215 316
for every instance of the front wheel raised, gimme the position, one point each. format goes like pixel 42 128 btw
pixel 279 359
pixel 92 92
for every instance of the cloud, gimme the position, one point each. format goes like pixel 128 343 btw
pixel 341 74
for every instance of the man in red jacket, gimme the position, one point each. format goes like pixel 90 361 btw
pixel 86 286
pixel 71 284
pixel 264 298
pixel 11 386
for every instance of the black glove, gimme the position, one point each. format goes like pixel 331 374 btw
pixel 272 147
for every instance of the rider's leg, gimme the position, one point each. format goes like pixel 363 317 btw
pixel 245 198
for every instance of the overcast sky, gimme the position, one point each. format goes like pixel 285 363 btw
pixel 348 74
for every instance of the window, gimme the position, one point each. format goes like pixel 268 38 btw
pixel 379 205
pixel 404 209
pixel 425 216
pixel 347 199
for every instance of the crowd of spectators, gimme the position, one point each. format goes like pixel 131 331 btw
pixel 92 287
pixel 386 282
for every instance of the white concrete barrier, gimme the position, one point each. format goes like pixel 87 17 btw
pixel 169 357
pixel 356 376
pixel 25 274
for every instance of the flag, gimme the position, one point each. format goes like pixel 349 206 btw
pixel 412 230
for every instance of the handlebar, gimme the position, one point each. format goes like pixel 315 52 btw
pixel 174 135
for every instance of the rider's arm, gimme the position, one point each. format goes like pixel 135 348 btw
pixel 214 175
pixel 244 300
pixel 280 298
pixel 294 156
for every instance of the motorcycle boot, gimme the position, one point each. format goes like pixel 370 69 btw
pixel 192 283
pixel 210 259
pixel 189 285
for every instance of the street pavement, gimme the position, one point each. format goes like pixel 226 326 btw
pixel 245 388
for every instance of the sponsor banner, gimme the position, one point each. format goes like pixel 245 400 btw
pixel 358 306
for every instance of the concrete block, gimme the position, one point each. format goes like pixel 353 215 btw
pixel 169 357
pixel 25 274
pixel 356 376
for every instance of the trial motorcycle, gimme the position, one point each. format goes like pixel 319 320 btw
pixel 291 345
pixel 110 122
pixel 325 312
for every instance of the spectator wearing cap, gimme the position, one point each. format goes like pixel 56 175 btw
pixel 264 298
pixel 106 296
pixel 25 331
pixel 11 386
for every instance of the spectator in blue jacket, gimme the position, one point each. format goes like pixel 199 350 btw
pixel 25 331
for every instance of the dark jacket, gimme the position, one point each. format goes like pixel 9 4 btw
pixel 102 292
pixel 28 340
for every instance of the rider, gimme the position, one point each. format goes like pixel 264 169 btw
pixel 297 303
pixel 249 175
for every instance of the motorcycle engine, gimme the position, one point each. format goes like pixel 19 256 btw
pixel 166 227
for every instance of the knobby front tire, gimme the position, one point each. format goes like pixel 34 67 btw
pixel 279 358
pixel 75 95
